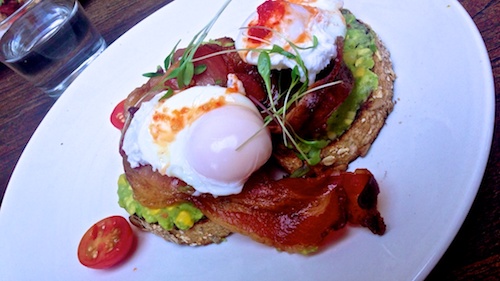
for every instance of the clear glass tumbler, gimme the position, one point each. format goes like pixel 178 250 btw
pixel 49 42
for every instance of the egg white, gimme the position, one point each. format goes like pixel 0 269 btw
pixel 324 21
pixel 175 157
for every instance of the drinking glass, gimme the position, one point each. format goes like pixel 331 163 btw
pixel 49 42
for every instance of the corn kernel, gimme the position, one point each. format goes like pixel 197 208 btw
pixel 184 219
pixel 359 72
pixel 154 211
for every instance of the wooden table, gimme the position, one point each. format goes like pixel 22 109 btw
pixel 475 252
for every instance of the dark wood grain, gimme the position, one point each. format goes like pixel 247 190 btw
pixel 474 253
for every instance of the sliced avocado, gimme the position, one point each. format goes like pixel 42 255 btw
pixel 182 215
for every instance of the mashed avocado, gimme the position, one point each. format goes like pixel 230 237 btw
pixel 183 215
pixel 359 48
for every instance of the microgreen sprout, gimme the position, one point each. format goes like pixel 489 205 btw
pixel 184 69
pixel 308 150
pixel 159 72
pixel 168 94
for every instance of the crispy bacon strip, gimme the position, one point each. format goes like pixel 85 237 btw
pixel 309 117
pixel 362 189
pixel 154 190
pixel 295 214
pixel 219 66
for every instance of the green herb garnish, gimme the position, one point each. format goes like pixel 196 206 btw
pixel 183 70
pixel 308 150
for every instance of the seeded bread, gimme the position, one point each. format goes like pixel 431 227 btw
pixel 204 232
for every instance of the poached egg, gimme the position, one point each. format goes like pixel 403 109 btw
pixel 294 22
pixel 211 137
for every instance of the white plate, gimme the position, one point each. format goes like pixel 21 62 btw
pixel 429 158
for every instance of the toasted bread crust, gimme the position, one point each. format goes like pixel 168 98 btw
pixel 202 233
pixel 371 117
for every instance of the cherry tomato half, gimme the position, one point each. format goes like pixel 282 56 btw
pixel 106 243
pixel 117 118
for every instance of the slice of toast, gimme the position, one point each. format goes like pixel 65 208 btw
pixel 204 232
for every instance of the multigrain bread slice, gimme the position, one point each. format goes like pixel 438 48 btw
pixel 370 118
pixel 204 232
